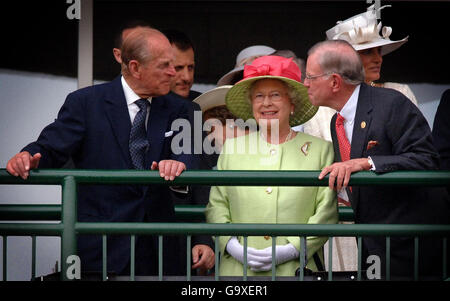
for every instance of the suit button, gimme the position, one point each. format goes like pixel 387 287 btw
pixel 273 152
pixel 269 190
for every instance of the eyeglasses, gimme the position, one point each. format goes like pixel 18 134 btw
pixel 312 77
pixel 273 96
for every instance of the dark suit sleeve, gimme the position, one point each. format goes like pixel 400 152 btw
pixel 441 130
pixel 409 136
pixel 60 139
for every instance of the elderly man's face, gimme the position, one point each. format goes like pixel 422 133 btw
pixel 317 82
pixel 157 74
pixel 184 68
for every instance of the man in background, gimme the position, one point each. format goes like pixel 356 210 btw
pixel 184 63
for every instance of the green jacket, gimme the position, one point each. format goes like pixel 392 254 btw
pixel 278 205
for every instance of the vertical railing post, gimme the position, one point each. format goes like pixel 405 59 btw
pixel 274 255
pixel 217 257
pixel 359 258
pixel 104 258
pixel 68 219
pixel 330 258
pixel 303 257
pixel 132 257
pixel 444 258
pixel 188 257
pixel 5 258
pixel 160 257
pixel 33 257
pixel 388 258
pixel 245 259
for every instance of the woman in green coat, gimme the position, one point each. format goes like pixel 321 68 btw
pixel 271 93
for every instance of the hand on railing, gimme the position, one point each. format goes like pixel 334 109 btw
pixel 21 163
pixel 168 169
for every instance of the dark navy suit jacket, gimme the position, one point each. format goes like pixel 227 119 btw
pixel 403 142
pixel 93 127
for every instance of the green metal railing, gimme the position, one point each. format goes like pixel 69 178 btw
pixel 68 228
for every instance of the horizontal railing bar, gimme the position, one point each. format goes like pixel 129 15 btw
pixel 38 212
pixel 29 229
pixel 46 212
pixel 227 177
pixel 262 229
pixel 228 229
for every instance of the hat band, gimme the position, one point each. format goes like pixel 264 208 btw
pixel 273 70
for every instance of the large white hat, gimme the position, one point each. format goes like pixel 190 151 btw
pixel 213 98
pixel 242 59
pixel 362 31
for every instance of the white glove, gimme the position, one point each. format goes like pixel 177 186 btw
pixel 254 259
pixel 283 254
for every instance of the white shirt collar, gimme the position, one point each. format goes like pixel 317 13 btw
pixel 130 96
pixel 349 109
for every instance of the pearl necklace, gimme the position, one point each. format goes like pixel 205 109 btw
pixel 288 137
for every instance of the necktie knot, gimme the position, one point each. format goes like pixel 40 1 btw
pixel 340 120
pixel 142 103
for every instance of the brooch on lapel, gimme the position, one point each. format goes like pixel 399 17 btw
pixel 363 124
pixel 305 148
pixel 371 144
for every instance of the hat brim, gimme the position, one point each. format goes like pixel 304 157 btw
pixel 228 78
pixel 212 98
pixel 238 103
pixel 387 46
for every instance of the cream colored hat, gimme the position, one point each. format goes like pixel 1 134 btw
pixel 212 98
pixel 362 31
pixel 242 59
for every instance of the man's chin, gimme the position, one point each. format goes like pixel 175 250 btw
pixel 182 93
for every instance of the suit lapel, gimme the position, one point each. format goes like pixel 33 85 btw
pixel 119 118
pixel 337 153
pixel 363 118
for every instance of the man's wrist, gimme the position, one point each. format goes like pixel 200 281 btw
pixel 364 163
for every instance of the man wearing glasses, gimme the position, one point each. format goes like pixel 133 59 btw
pixel 378 129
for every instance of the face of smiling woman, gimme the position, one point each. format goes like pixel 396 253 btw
pixel 271 104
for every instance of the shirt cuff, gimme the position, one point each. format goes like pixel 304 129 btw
pixel 372 165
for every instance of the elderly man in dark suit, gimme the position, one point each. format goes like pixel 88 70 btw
pixel 378 129
pixel 123 124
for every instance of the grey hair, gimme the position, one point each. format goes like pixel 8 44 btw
pixel 136 46
pixel 339 56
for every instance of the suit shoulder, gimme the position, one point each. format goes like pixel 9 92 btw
pixel 91 91
pixel 389 98
pixel 176 101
